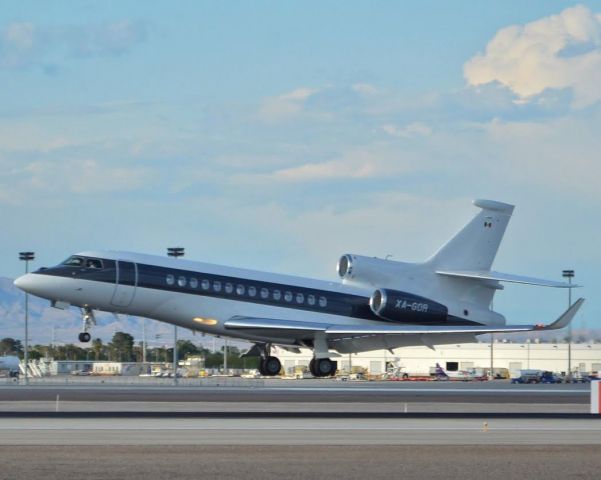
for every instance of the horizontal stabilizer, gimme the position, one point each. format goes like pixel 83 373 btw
pixel 504 277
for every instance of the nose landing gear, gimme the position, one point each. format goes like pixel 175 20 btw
pixel 88 322
pixel 84 337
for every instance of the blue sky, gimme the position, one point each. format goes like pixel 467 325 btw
pixel 280 135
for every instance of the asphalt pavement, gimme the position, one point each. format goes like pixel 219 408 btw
pixel 301 462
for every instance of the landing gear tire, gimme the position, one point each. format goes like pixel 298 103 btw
pixel 88 322
pixel 323 367
pixel 312 368
pixel 270 366
pixel 84 337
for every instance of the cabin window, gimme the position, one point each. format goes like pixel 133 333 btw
pixel 240 289
pixel 264 293
pixel 170 279
pixel 277 295
pixel 288 296
pixel 323 301
pixel 229 288
pixel 217 286
pixel 311 299
pixel 205 284
pixel 300 298
pixel 181 281
pixel 193 283
pixel 252 291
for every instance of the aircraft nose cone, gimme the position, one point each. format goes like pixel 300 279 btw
pixel 24 282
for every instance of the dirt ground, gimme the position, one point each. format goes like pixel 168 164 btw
pixel 300 462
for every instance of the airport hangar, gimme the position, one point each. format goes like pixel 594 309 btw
pixel 585 357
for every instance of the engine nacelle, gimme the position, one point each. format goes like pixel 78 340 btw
pixel 396 306
pixel 367 270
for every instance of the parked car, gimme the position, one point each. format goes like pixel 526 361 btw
pixel 528 376
pixel 580 377
pixel 550 377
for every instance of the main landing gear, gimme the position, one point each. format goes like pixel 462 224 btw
pixel 269 366
pixel 323 367
pixel 88 322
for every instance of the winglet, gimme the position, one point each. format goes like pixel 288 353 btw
pixel 565 319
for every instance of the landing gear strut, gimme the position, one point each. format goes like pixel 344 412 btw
pixel 88 322
pixel 269 365
pixel 323 367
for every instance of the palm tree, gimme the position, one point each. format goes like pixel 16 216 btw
pixel 97 347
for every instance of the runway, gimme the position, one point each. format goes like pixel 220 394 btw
pixel 298 431
pixel 301 462
pixel 295 430
pixel 304 391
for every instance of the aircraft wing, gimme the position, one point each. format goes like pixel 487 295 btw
pixel 306 329
pixel 504 277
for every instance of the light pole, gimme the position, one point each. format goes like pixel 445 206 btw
pixel 144 342
pixel 492 346
pixel 492 356
pixel 225 357
pixel 26 257
pixel 175 252
pixel 569 274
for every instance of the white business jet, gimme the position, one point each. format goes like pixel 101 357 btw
pixel 379 303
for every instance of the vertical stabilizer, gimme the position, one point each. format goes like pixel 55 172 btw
pixel 476 245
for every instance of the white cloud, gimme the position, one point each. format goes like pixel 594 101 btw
pixel 20 35
pixel 58 180
pixel 370 162
pixel 17 42
pixel 415 129
pixel 556 52
pixel 325 171
pixel 365 89
pixel 535 154
pixel 285 106
pixel 23 44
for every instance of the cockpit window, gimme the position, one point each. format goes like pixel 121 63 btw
pixel 93 263
pixel 74 261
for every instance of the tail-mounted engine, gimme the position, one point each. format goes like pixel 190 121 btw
pixel 367 270
pixel 396 306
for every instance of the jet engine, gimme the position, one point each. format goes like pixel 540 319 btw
pixel 367 270
pixel 396 306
